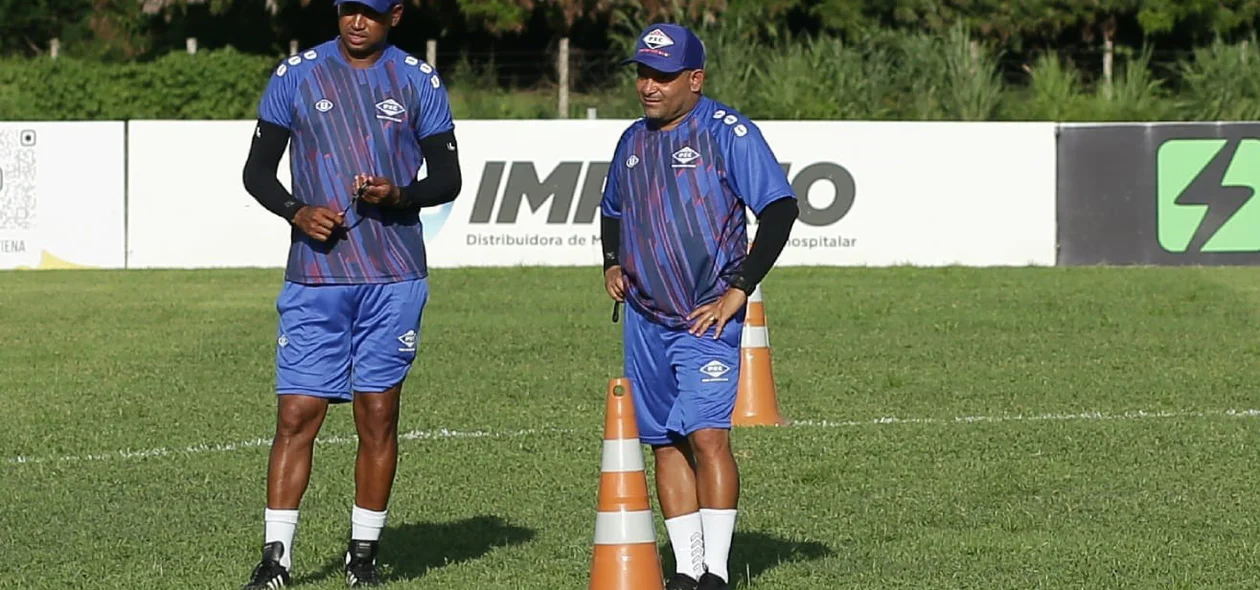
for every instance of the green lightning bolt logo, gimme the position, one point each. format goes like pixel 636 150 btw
pixel 1206 190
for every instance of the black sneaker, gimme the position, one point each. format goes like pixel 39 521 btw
pixel 681 582
pixel 361 564
pixel 269 574
pixel 712 582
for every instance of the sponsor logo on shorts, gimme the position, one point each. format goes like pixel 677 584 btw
pixel 408 341
pixel 715 371
pixel 283 341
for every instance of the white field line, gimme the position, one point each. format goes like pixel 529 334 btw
pixel 446 434
pixel 203 448
pixel 1084 416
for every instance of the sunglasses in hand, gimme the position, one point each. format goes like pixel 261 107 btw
pixel 354 200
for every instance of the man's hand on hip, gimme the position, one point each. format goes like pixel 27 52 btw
pixel 719 312
pixel 615 283
pixel 380 190
pixel 317 222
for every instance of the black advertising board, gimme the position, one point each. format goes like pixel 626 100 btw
pixel 1159 194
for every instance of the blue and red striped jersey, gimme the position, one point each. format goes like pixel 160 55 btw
pixel 345 121
pixel 681 197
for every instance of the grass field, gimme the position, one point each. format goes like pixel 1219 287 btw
pixel 1054 428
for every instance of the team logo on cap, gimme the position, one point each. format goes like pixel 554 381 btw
pixel 657 39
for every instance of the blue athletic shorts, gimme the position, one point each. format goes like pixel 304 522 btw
pixel 680 383
pixel 335 340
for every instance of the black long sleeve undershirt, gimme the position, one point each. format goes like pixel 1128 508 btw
pixel 261 165
pixel 774 226
pixel 444 180
pixel 442 184
pixel 773 229
pixel 610 239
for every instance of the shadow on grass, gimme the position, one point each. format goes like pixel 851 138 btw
pixel 752 554
pixel 410 550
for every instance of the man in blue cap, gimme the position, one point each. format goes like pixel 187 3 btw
pixel 371 141
pixel 675 247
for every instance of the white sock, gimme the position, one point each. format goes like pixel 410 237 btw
pixel 366 525
pixel 280 525
pixel 686 536
pixel 719 527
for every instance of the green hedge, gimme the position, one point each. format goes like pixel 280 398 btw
pixel 223 84
pixel 886 77
pixel 209 85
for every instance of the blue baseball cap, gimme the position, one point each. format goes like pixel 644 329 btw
pixel 377 5
pixel 668 48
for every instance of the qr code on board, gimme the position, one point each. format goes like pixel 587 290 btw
pixel 17 179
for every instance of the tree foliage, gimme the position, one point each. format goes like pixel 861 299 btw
pixel 131 28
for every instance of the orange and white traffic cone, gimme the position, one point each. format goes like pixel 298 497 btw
pixel 757 402
pixel 625 534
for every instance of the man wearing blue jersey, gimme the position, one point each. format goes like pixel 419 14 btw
pixel 371 141
pixel 675 245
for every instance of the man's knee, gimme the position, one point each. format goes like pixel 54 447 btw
pixel 376 415
pixel 710 442
pixel 299 419
pixel 678 450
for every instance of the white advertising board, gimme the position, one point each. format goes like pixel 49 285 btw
pixel 919 193
pixel 872 193
pixel 531 194
pixel 187 206
pixel 61 195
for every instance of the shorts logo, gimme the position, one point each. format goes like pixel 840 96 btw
pixel 283 341
pixel 715 371
pixel 408 341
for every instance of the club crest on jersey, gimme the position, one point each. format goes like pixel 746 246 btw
pixel 685 158
pixel 632 161
pixel 390 110
pixel 324 105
